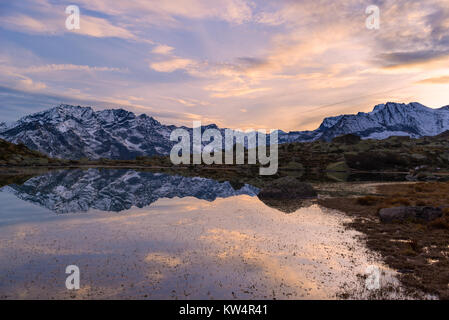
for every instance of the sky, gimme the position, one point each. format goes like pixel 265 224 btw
pixel 238 63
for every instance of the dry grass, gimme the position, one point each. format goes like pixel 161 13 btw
pixel 368 200
pixel 409 246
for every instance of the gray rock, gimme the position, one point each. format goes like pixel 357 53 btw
pixel 388 215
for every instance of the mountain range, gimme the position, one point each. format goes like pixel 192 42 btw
pixel 74 132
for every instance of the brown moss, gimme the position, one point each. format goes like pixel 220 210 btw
pixel 440 223
pixel 368 200
pixel 397 201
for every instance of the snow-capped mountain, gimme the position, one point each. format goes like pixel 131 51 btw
pixel 69 191
pixel 390 119
pixel 75 132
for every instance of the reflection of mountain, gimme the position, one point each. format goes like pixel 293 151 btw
pixel 285 205
pixel 116 190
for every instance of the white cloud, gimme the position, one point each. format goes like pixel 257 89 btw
pixel 69 67
pixel 167 12
pixel 162 49
pixel 50 19
pixel 172 65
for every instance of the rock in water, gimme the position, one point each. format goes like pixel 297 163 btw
pixel 426 214
pixel 287 188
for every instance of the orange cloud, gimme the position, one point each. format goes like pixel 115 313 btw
pixel 435 80
pixel 162 49
pixel 172 65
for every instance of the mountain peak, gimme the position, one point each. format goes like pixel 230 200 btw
pixel 411 105
pixel 379 107
pixel 64 109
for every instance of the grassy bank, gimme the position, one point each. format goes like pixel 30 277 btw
pixel 418 250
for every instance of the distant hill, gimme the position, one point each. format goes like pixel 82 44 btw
pixel 11 154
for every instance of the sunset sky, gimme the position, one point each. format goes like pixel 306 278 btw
pixel 236 63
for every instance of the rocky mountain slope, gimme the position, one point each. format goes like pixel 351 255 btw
pixel 390 119
pixel 74 132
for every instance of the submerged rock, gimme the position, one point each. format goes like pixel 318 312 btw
pixel 287 188
pixel 426 214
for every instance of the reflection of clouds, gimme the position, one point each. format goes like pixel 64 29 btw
pixel 163 259
pixel 225 235
pixel 257 261
pixel 159 264
pixel 184 248
pixel 254 258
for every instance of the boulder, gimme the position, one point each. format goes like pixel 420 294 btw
pixel 398 214
pixel 287 188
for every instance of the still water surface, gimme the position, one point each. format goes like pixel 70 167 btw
pixel 142 235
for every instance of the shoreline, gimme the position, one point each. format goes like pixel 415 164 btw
pixel 418 251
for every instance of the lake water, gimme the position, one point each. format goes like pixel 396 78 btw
pixel 140 235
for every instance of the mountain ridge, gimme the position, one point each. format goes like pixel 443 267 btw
pixel 75 132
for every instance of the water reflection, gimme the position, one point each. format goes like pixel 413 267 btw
pixel 199 239
pixel 69 191
pixel 232 248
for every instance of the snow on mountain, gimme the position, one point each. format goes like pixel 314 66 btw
pixel 390 119
pixel 75 132
pixel 69 191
